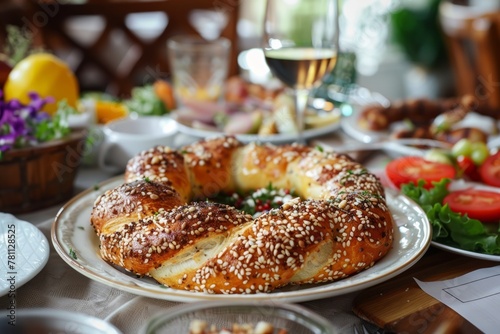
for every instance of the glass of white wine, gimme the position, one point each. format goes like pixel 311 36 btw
pixel 300 45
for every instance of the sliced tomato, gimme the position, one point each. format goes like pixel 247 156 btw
pixel 411 169
pixel 478 204
pixel 490 170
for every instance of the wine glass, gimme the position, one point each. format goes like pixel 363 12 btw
pixel 300 46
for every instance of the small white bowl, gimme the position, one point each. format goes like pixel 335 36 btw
pixel 126 137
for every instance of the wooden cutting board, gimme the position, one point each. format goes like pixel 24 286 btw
pixel 399 305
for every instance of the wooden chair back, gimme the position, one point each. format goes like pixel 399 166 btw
pixel 142 60
pixel 473 40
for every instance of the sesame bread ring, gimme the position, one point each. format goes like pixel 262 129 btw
pixel 339 226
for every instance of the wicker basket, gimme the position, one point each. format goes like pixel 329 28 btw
pixel 38 177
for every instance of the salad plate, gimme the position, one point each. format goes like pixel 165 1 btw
pixel 455 185
pixel 461 185
pixel 75 241
pixel 463 252
pixel 24 249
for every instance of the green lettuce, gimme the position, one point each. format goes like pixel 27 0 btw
pixel 449 227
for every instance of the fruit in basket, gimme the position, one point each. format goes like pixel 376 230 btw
pixel 46 75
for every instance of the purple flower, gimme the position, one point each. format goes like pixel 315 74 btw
pixel 18 121
pixel 36 104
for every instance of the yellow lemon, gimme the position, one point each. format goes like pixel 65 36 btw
pixel 46 75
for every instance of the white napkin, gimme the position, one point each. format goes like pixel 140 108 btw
pixel 475 296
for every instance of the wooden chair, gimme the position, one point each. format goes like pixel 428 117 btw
pixel 473 39
pixel 142 59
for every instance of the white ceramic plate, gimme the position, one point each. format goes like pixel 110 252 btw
pixel 46 320
pixel 459 251
pixel 72 231
pixel 24 252
pixel 351 127
pixel 275 139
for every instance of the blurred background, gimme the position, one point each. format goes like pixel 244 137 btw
pixel 399 48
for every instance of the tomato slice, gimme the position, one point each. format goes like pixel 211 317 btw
pixel 478 204
pixel 490 170
pixel 411 169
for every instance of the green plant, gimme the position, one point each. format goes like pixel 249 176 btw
pixel 417 31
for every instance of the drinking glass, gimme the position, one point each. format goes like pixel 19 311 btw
pixel 199 67
pixel 300 46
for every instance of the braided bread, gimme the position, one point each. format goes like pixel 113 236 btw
pixel 158 224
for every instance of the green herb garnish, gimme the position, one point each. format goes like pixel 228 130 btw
pixel 72 254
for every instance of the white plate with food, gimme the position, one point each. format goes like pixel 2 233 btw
pixel 200 131
pixel 351 126
pixel 75 241
pixel 279 138
pixel 24 249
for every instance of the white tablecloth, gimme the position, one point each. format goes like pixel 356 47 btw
pixel 59 286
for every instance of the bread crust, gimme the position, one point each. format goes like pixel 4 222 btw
pixel 339 226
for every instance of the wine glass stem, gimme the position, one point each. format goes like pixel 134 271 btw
pixel 301 96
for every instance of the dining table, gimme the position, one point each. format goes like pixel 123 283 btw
pixel 395 305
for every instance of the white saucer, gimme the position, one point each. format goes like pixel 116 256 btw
pixel 46 320
pixel 24 252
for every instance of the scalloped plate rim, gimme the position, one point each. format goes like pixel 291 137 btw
pixel 25 276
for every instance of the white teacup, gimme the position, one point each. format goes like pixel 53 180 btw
pixel 126 137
